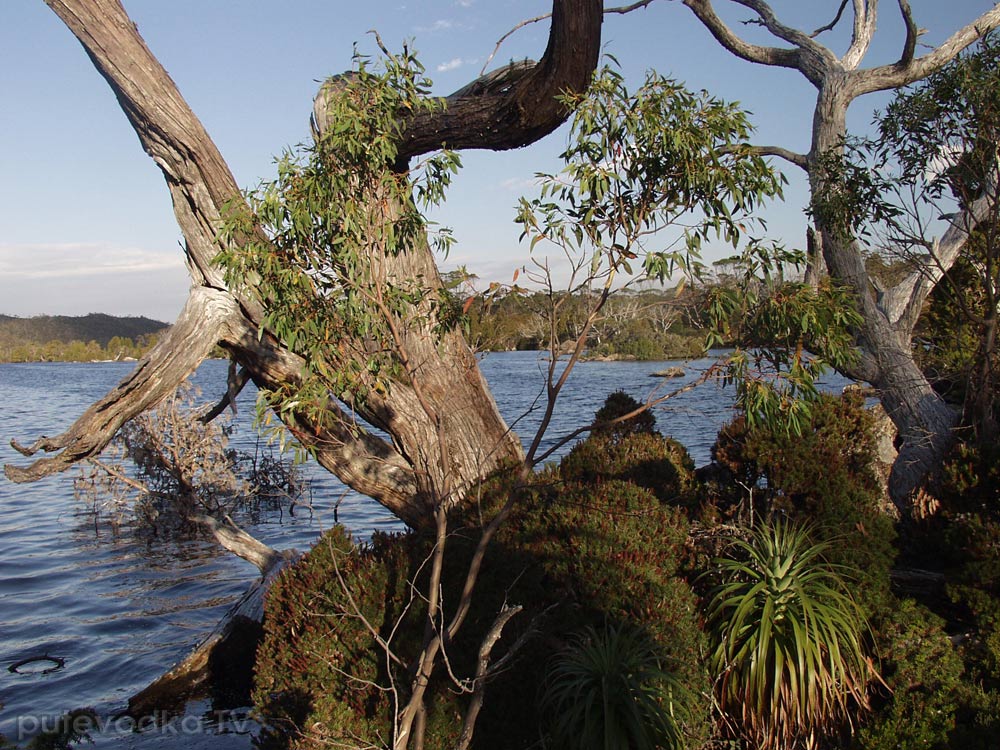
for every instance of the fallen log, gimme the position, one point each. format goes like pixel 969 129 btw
pixel 222 664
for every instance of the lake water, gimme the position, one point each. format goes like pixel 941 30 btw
pixel 120 611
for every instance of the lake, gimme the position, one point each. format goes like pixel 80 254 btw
pixel 119 611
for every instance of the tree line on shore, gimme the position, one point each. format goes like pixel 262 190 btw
pixel 60 338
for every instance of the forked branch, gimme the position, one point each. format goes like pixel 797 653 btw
pixel 156 376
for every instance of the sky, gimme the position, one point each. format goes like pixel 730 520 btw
pixel 86 223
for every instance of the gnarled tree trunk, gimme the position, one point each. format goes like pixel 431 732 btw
pixel 924 421
pixel 448 435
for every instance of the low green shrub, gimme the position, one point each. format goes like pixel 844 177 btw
pixel 825 476
pixel 608 689
pixel 975 590
pixel 647 459
pixel 618 404
pixel 317 663
pixel 923 676
pixel 970 480
pixel 572 555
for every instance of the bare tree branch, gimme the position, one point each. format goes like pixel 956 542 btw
pixel 909 70
pixel 865 15
pixel 770 21
pixel 235 383
pixel 240 543
pixel 792 157
pixel 482 669
pixel 912 33
pixel 834 22
pixel 777 56
pixel 904 302
pixel 525 109
pixel 155 377
pixel 527 22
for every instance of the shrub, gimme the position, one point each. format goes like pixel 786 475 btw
pixel 789 641
pixel 317 656
pixel 612 552
pixel 923 675
pixel 825 475
pixel 649 460
pixel 976 591
pixel 970 480
pixel 618 404
pixel 609 689
pixel 572 555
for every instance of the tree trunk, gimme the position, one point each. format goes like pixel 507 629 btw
pixel 924 422
pixel 222 662
pixel 455 430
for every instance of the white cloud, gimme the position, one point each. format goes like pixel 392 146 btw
pixel 439 25
pixel 465 3
pixel 454 64
pixel 77 259
pixel 520 184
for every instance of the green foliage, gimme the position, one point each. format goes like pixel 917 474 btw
pixel 955 110
pixel 640 162
pixel 612 553
pixel 62 329
pixel 617 405
pixel 789 641
pixel 610 690
pixel 970 480
pixel 923 676
pixel 786 334
pixel 824 475
pixel 944 676
pixel 318 668
pixel 647 325
pixel 975 589
pixel 946 342
pixel 854 191
pixel 118 348
pixel 316 244
pixel 935 157
pixel 660 464
pixel 573 555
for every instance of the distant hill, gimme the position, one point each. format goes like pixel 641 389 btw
pixel 94 327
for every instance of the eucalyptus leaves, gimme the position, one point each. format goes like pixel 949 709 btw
pixel 323 246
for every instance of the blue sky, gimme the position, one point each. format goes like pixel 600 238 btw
pixel 85 219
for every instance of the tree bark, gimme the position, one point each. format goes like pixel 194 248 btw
pixel 924 421
pixel 225 657
pixel 462 434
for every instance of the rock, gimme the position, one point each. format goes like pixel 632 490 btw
pixel 670 372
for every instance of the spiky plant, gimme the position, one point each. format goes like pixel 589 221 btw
pixel 790 641
pixel 609 690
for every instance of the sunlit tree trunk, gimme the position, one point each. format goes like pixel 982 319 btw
pixel 457 433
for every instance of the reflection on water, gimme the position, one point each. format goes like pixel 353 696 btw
pixel 120 611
